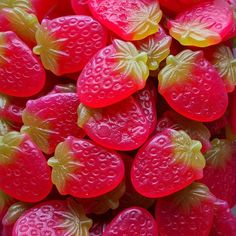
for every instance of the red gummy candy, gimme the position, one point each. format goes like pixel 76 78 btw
pixel 132 221
pixel 130 19
pixel 168 162
pixel 113 74
pixel 219 173
pixel 66 44
pixel 188 212
pixel 84 169
pixel 50 119
pixel 24 173
pixel 55 218
pixel 122 126
pixel 193 87
pixel 203 25
pixel 21 72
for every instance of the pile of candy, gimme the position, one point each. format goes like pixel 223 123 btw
pixel 117 117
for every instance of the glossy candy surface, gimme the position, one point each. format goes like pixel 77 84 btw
pixel 50 119
pixel 113 74
pixel 188 212
pixel 122 126
pixel 167 162
pixel 55 217
pixel 192 86
pixel 203 25
pixel 84 169
pixel 134 220
pixel 17 78
pixel 66 44
pixel 24 173
pixel 130 19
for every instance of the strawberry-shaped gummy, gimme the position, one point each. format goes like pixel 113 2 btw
pixel 168 162
pixel 224 223
pixel 56 217
pixel 132 221
pixel 21 73
pixel 66 44
pixel 113 74
pixel 193 87
pixel 9 110
pixel 80 7
pixel 220 170
pixel 50 119
pixel 84 169
pixel 130 19
pixel 102 204
pixel 202 25
pixel 147 99
pixel 157 47
pixel 22 23
pixel 122 126
pixel 188 212
pixel 194 129
pixel 223 59
pixel 12 215
pixel 24 173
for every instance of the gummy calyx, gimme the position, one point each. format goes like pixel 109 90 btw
pixel 220 152
pixel 23 4
pixel 9 145
pixel 49 49
pixel 187 151
pixel 192 196
pixel 84 114
pixel 75 221
pixel 130 61
pixel 178 68
pixel 63 166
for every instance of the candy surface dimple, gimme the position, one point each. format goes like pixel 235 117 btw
pixel 202 25
pixel 193 87
pixel 113 74
pixel 132 221
pixel 21 73
pixel 55 217
pixel 66 44
pixel 122 126
pixel 24 173
pixel 167 163
pixel 84 169
pixel 131 20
